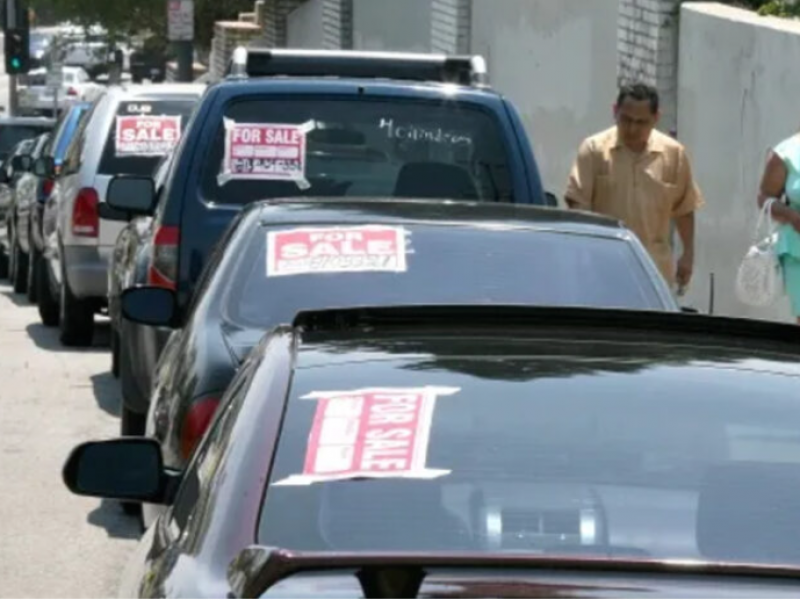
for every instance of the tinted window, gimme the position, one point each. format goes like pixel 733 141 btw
pixel 568 451
pixel 10 135
pixel 386 148
pixel 66 130
pixel 117 160
pixel 450 265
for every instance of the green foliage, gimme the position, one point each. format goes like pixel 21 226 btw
pixel 776 8
pixel 123 18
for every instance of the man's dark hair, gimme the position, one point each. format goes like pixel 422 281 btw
pixel 639 92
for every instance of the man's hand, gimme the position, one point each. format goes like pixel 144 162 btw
pixel 684 271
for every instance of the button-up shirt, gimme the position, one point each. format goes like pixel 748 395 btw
pixel 643 190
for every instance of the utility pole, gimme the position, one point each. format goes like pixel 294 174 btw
pixel 181 34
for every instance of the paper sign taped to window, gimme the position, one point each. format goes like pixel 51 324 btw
pixel 370 433
pixel 266 152
pixel 315 250
pixel 147 136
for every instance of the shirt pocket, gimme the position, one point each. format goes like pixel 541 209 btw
pixel 662 197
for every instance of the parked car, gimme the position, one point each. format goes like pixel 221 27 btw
pixel 26 195
pixel 15 129
pixel 282 257
pixel 127 132
pixel 69 122
pixel 12 169
pixel 479 451
pixel 40 43
pixel 36 97
pixel 338 125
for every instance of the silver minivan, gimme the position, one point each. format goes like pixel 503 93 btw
pixel 129 130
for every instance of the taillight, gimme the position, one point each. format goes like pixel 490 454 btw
pixel 163 271
pixel 85 220
pixel 196 423
pixel 47 187
pixel 72 92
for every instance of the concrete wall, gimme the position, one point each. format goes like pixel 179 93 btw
pixel 392 25
pixel 557 61
pixel 739 84
pixel 305 26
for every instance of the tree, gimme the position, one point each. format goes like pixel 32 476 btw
pixel 123 18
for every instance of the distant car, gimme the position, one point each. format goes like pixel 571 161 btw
pixel 283 257
pixel 480 452
pixel 36 97
pixel 15 129
pixel 128 131
pixel 40 43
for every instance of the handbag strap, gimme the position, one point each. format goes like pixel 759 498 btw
pixel 766 211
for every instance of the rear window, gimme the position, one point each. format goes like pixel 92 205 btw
pixel 567 450
pixel 346 148
pixel 331 267
pixel 11 135
pixel 142 132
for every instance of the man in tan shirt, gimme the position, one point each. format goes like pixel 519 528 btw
pixel 642 177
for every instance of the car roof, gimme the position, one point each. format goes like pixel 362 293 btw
pixel 496 215
pixel 383 87
pixel 41 121
pixel 167 90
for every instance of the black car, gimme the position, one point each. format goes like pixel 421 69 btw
pixel 16 129
pixel 12 168
pixel 281 257
pixel 481 452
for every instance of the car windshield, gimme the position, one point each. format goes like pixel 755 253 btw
pixel 11 135
pixel 374 148
pixel 578 448
pixel 297 268
pixel 142 132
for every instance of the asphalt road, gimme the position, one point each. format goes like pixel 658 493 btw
pixel 54 544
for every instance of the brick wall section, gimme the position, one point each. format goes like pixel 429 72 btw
pixel 228 35
pixel 337 17
pixel 647 42
pixel 450 26
pixel 275 13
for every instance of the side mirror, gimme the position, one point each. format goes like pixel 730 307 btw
pixel 689 310
pixel 153 306
pixel 121 469
pixel 135 195
pixel 45 167
pixel 22 163
pixel 4 178
pixel 550 199
pixel 109 213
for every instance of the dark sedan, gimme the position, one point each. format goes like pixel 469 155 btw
pixel 281 257
pixel 458 451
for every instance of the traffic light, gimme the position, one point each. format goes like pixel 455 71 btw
pixel 17 30
pixel 17 51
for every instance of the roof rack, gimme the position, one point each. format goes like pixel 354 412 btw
pixel 272 62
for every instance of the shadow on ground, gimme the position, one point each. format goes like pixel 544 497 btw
pixel 46 338
pixel 20 300
pixel 107 393
pixel 117 524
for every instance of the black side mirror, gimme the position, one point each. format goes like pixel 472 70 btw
pixel 45 167
pixel 121 469
pixel 153 306
pixel 550 199
pixel 22 163
pixel 109 213
pixel 134 195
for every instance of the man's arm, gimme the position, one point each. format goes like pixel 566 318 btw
pixel 580 187
pixel 683 212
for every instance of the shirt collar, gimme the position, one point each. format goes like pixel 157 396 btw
pixel 655 145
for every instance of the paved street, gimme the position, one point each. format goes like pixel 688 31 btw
pixel 54 544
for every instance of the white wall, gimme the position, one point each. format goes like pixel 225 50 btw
pixel 392 25
pixel 557 62
pixel 304 27
pixel 738 95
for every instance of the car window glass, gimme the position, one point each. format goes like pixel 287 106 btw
pixel 10 135
pixel 438 265
pixel 358 148
pixel 73 158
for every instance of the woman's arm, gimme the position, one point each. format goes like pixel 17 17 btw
pixel 773 182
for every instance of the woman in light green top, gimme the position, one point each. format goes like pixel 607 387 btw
pixel 782 176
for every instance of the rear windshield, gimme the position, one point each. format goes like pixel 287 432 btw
pixel 142 132
pixel 330 267
pixel 11 135
pixel 563 452
pixel 339 148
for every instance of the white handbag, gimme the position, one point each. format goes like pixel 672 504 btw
pixel 759 281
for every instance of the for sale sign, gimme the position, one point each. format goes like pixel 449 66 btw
pixel 316 250
pixel 265 151
pixel 372 433
pixel 147 136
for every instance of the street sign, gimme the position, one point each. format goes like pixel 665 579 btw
pixel 181 20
